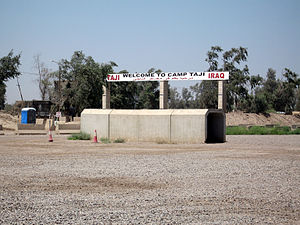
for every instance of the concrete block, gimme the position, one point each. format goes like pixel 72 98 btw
pixel 65 119
pixel 31 132
pixel 68 128
pixel 140 125
pixel 98 119
pixel 49 123
pixel 154 125
pixel 124 124
pixel 188 126
pixel 21 126
pixel 30 129
pixel 76 119
pixel 39 121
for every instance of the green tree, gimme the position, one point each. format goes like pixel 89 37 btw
pixel 124 95
pixel 282 97
pixel 269 88
pixel 260 103
pixel 186 98
pixel 82 80
pixel 148 97
pixel 297 108
pixel 237 86
pixel 175 101
pixel 205 95
pixel 255 81
pixel 9 69
pixel 285 95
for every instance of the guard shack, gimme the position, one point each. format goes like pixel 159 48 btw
pixel 166 125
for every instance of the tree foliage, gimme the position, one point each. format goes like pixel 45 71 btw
pixel 82 80
pixel 135 95
pixel 148 93
pixel 243 91
pixel 205 93
pixel 124 95
pixel 44 78
pixel 9 69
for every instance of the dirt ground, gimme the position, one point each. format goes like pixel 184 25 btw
pixel 247 180
pixel 240 118
pixel 8 121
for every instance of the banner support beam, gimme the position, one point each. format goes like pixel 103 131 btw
pixel 221 95
pixel 106 96
pixel 163 95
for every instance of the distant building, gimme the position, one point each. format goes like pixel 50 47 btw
pixel 42 107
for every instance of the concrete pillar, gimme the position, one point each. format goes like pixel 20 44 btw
pixel 106 97
pixel 163 94
pixel 221 95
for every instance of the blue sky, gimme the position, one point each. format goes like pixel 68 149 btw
pixel 170 35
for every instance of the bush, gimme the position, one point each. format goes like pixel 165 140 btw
pixel 119 140
pixel 236 130
pixel 297 131
pixel 80 136
pixel 104 140
pixel 259 130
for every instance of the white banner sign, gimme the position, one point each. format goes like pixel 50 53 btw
pixel 167 76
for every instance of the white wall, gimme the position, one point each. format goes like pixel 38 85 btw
pixel 176 126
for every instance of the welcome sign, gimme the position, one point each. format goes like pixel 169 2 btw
pixel 167 76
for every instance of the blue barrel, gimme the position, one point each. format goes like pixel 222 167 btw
pixel 28 115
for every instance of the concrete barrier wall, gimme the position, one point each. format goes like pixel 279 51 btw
pixel 178 126
pixel 30 129
pixel 95 119
pixel 140 125
pixel 189 126
pixel 67 128
pixel 21 126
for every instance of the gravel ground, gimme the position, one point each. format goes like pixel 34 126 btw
pixel 247 180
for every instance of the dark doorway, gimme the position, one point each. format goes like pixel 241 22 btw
pixel 215 127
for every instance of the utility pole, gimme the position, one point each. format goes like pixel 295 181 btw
pixel 20 89
pixel 59 84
